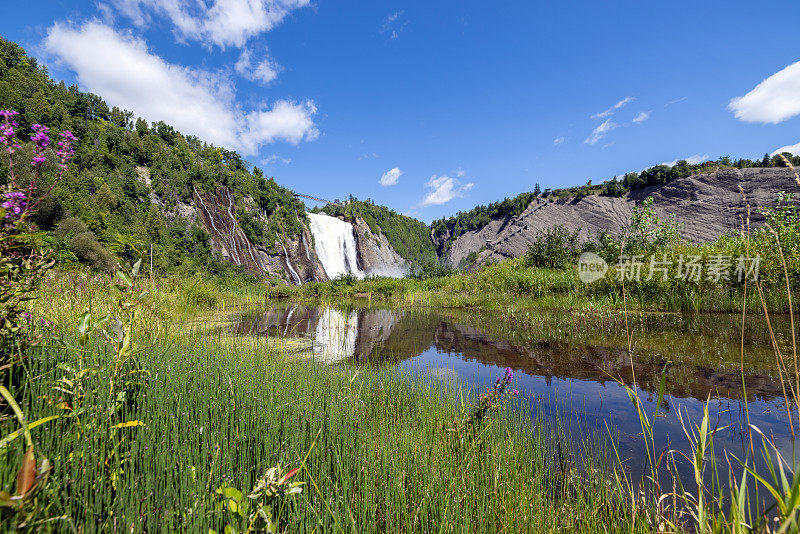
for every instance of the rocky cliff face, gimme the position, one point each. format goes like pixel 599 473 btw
pixel 296 262
pixel 707 205
pixel 375 255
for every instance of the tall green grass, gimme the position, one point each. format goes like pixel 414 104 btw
pixel 377 450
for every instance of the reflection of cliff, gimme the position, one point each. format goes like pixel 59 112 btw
pixel 598 363
pixel 386 337
pixel 337 334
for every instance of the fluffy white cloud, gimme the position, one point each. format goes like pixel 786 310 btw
pixel 263 71
pixel 610 111
pixel 390 177
pixel 692 160
pixel 642 116
pixel 792 149
pixel 120 67
pixel 220 22
pixel 558 141
pixel 773 100
pixel 600 132
pixel 443 189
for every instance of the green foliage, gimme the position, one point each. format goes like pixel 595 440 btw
pixel 647 233
pixel 199 292
pixel 130 181
pixel 23 265
pixel 555 248
pixel 782 228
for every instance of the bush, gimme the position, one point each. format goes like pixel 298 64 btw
pixel 555 248
pixel 88 249
pixel 200 292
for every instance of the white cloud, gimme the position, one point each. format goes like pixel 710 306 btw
pixel 274 158
pixel 600 132
pixel 559 141
pixel 443 189
pixel 792 149
pixel 610 111
pixel 394 25
pixel 390 177
pixel 676 101
pixel 220 22
pixel 692 160
pixel 264 71
pixel 121 68
pixel 773 100
pixel 642 116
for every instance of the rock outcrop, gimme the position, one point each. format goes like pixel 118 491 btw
pixel 375 255
pixel 296 262
pixel 707 205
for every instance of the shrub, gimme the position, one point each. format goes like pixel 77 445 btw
pixel 200 292
pixel 556 248
pixel 88 249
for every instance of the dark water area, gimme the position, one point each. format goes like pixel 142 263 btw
pixel 569 364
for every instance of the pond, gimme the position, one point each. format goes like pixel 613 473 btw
pixel 569 363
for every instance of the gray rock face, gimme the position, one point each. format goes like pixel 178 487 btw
pixel 707 205
pixel 297 261
pixel 375 255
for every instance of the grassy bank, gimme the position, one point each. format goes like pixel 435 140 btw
pixel 513 287
pixel 122 417
pixel 165 434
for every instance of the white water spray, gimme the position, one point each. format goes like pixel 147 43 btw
pixel 335 245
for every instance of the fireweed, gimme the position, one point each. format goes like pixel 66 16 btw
pixel 24 262
pixel 491 400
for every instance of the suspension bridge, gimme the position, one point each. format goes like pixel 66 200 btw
pixel 300 195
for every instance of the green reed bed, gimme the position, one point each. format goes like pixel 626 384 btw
pixel 376 451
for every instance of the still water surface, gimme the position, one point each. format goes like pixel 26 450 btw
pixel 568 363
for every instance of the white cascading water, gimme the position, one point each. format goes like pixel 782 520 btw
pixel 291 269
pixel 336 335
pixel 335 245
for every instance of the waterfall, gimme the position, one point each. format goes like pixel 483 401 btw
pixel 291 269
pixel 335 245
pixel 336 335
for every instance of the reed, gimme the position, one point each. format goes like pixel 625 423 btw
pixel 150 428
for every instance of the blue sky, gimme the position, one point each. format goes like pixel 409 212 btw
pixel 434 107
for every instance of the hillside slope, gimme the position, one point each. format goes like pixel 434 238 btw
pixel 706 204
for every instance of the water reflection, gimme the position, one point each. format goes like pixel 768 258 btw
pixel 699 362
pixel 565 365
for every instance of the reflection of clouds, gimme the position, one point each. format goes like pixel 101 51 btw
pixel 445 374
pixel 335 338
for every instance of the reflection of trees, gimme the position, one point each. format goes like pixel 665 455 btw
pixel 577 360
pixel 386 337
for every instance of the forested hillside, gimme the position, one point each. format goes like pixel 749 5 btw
pixel 447 230
pixel 131 183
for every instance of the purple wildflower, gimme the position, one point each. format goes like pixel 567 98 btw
pixel 14 204
pixel 65 149
pixel 7 130
pixel 42 141
pixel 509 374
pixel 515 391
